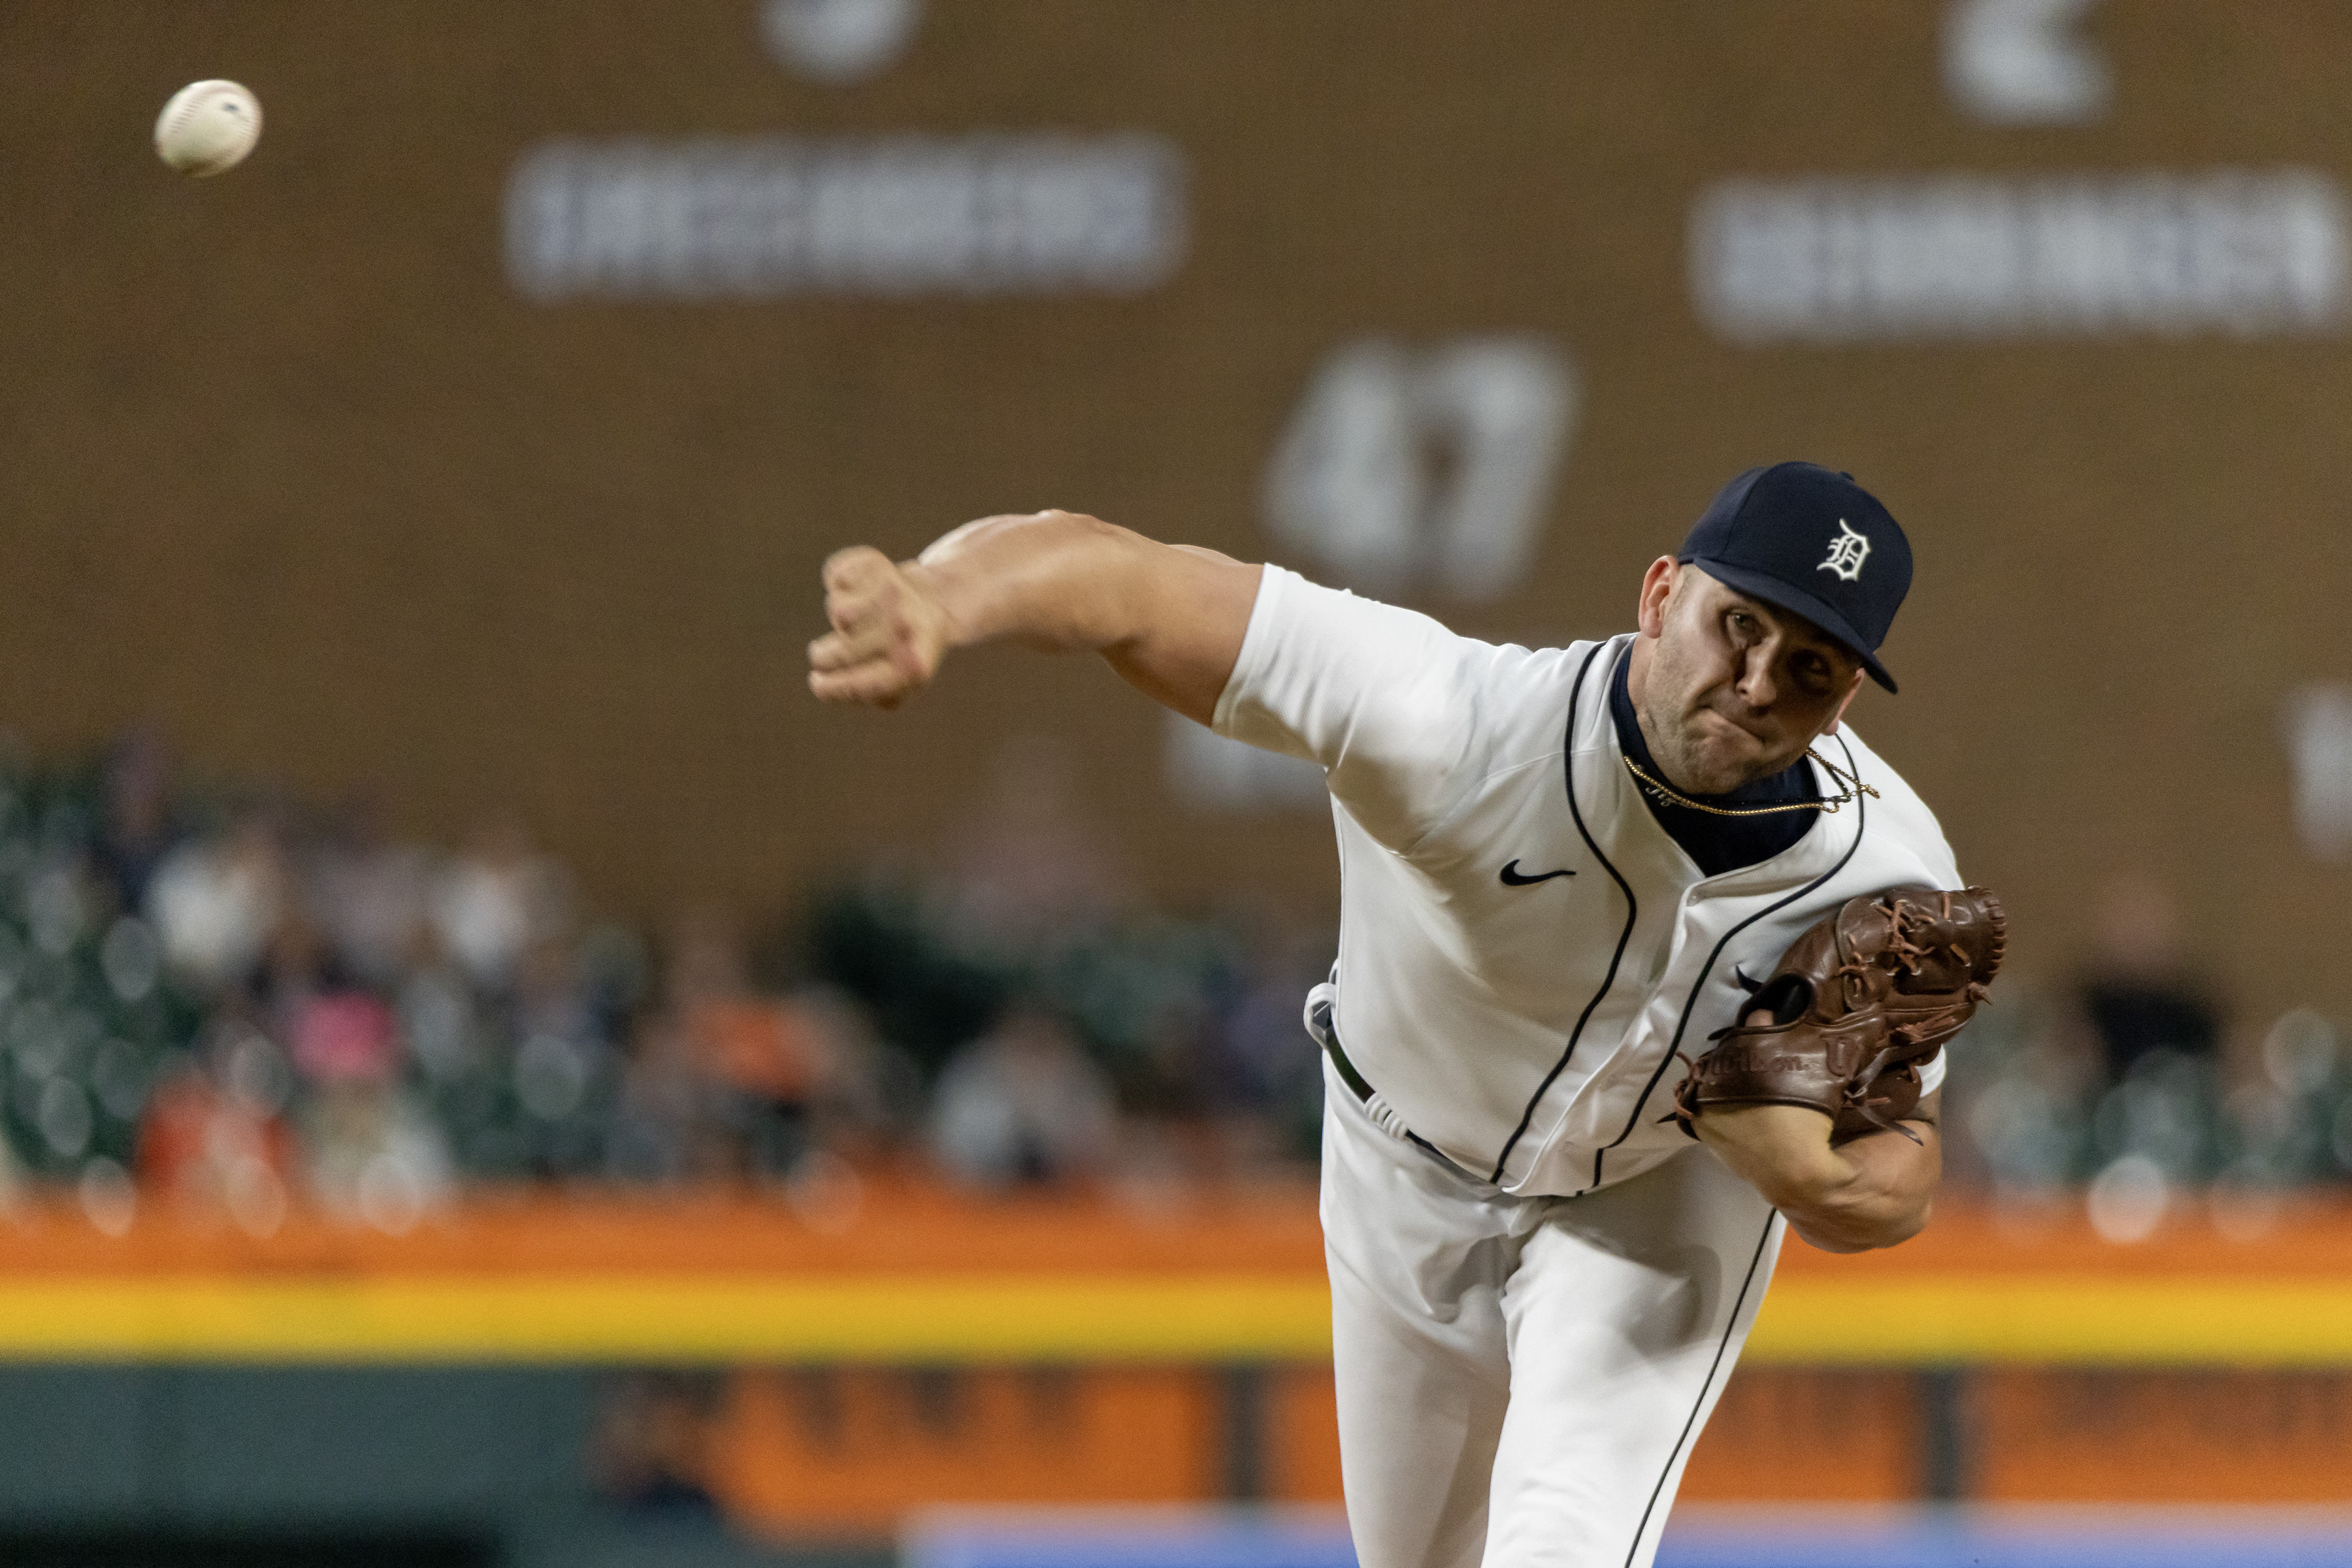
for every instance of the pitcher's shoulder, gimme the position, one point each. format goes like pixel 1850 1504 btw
pixel 1524 697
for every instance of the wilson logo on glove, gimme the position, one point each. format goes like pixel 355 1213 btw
pixel 1859 1003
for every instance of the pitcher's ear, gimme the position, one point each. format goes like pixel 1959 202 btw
pixel 1657 587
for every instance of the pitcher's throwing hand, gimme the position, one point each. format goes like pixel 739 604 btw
pixel 888 633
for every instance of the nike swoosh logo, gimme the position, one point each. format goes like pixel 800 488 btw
pixel 1511 877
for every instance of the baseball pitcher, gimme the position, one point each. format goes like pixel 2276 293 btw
pixel 1644 958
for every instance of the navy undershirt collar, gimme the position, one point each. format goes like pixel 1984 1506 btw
pixel 1718 844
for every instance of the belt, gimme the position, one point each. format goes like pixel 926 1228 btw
pixel 1319 1024
pixel 1325 1032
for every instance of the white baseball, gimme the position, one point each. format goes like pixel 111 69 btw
pixel 208 128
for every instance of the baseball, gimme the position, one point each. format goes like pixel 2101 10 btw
pixel 208 128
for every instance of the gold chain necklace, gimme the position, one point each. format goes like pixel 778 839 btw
pixel 1847 782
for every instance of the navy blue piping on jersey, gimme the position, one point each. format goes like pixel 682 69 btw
pixel 1567 760
pixel 1722 1346
pixel 1681 1024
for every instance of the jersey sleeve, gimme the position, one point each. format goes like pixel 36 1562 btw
pixel 1386 699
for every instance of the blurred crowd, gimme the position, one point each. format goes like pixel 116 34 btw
pixel 2136 1081
pixel 241 1002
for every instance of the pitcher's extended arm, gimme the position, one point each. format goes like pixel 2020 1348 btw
pixel 1169 618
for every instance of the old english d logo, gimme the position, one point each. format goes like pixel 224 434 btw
pixel 1847 553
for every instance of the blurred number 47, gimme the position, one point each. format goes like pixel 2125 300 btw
pixel 1408 470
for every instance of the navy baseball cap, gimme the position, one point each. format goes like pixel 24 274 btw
pixel 1812 542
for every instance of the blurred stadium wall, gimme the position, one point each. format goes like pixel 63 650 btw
pixel 480 438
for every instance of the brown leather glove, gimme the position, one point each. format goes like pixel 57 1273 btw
pixel 1858 1003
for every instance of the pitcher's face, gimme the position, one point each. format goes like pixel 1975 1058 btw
pixel 1729 689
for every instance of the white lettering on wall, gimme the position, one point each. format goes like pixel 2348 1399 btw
pixel 760 217
pixel 2020 62
pixel 1402 467
pixel 1836 259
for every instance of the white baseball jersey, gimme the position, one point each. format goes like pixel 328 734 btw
pixel 1523 949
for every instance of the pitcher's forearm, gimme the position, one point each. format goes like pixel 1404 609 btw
pixel 1880 1191
pixel 1054 580
pixel 1872 1190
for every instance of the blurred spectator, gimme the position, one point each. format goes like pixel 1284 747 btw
pixel 496 902
pixel 867 1090
pixel 1266 1076
pixel 296 969
pixel 437 1017
pixel 375 1154
pixel 751 1043
pixel 666 1127
pixel 135 822
pixel 212 1136
pixel 1022 1104
pixel 369 895
pixel 564 1068
pixel 343 1036
pixel 215 903
pixel 793 1073
pixel 881 943
pixel 2139 994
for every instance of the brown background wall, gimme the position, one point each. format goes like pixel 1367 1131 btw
pixel 286 463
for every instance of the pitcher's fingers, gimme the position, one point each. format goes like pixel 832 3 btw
pixel 882 637
pixel 849 610
pixel 832 653
pixel 838 691
pixel 877 683
pixel 856 581
pixel 836 686
pixel 847 568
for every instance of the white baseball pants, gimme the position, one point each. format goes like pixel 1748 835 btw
pixel 1520 1379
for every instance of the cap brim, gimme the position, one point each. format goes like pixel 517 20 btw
pixel 1780 595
